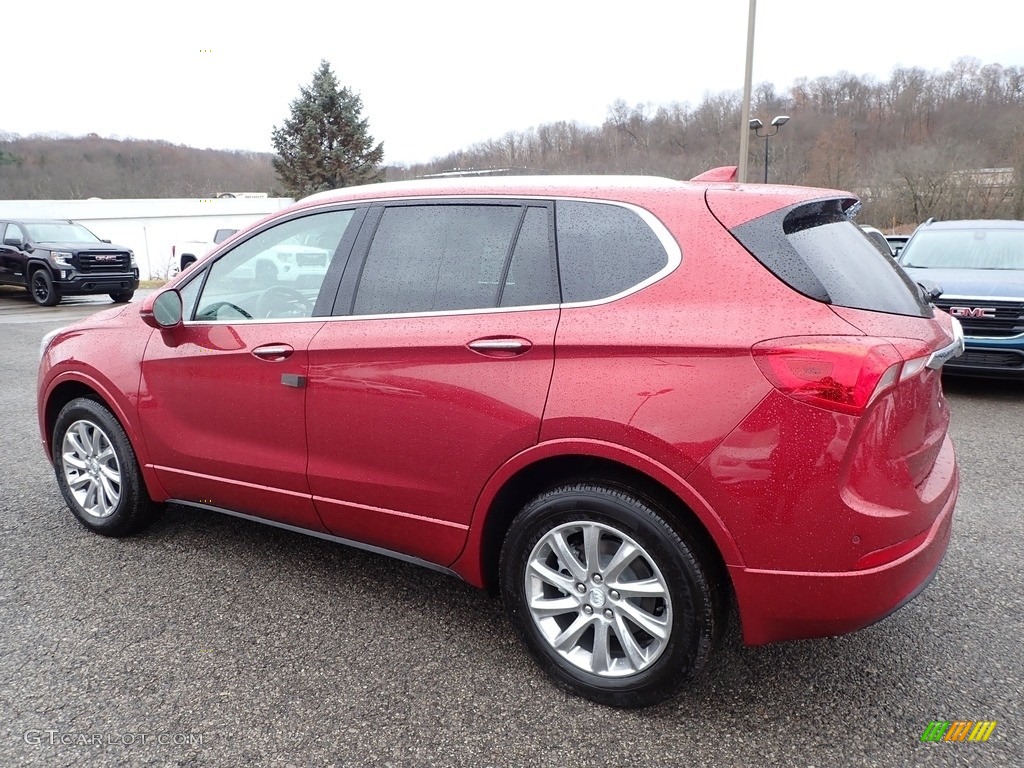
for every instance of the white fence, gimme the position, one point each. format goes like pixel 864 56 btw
pixel 150 227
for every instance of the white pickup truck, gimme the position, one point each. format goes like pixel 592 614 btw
pixel 183 254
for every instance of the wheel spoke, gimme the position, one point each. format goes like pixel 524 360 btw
pixel 79 481
pixel 552 577
pixel 567 557
pixel 624 555
pixel 91 496
pixel 651 587
pixel 601 659
pixel 628 642
pixel 109 496
pixel 110 473
pixel 592 548
pixel 653 625
pixel 568 639
pixel 71 458
pixel 75 439
pixel 542 607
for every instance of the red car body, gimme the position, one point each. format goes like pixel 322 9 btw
pixel 714 382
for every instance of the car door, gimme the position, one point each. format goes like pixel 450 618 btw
pixel 223 396
pixel 12 257
pixel 433 371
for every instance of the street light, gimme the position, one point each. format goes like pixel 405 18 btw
pixel 756 126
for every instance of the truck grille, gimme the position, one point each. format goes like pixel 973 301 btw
pixel 112 262
pixel 311 259
pixel 1008 320
pixel 984 358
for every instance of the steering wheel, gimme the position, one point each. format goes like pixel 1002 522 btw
pixel 282 301
pixel 212 310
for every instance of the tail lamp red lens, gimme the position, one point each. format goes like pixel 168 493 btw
pixel 840 373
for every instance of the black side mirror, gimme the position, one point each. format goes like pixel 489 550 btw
pixel 13 242
pixel 930 290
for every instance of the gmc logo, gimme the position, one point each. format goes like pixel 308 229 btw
pixel 989 312
pixel 105 257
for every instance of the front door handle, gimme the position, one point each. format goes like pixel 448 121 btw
pixel 501 346
pixel 273 352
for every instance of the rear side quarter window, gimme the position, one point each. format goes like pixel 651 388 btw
pixel 604 250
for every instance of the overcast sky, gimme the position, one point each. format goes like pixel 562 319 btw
pixel 439 75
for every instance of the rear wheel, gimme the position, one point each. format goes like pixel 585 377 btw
pixel 41 287
pixel 614 602
pixel 97 471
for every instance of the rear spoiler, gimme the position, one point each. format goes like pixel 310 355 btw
pixel 725 173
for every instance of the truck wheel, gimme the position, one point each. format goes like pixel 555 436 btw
pixel 42 290
pixel 186 260
pixel 123 297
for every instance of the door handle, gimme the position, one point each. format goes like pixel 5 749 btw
pixel 273 352
pixel 507 346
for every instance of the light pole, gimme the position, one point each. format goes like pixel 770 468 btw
pixel 756 126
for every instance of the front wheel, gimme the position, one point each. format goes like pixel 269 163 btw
pixel 123 297
pixel 41 287
pixel 613 601
pixel 97 471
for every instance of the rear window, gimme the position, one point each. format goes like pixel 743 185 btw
pixel 966 249
pixel 815 249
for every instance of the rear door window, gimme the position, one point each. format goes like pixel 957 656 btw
pixel 459 256
pixel 817 250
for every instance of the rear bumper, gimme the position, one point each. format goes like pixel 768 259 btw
pixel 786 605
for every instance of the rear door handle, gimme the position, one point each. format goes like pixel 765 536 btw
pixel 504 346
pixel 273 352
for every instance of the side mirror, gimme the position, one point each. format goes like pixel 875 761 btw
pixel 929 289
pixel 104 241
pixel 162 310
pixel 13 242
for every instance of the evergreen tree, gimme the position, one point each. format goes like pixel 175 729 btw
pixel 325 144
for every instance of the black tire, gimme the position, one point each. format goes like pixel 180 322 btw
pixel 123 297
pixel 636 669
pixel 40 286
pixel 98 449
pixel 186 259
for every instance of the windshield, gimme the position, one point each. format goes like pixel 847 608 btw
pixel 58 232
pixel 966 249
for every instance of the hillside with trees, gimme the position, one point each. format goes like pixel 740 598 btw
pixel 947 144
pixel 47 168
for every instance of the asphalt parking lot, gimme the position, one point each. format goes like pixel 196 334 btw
pixel 213 641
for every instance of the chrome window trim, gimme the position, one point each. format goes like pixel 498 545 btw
pixel 673 253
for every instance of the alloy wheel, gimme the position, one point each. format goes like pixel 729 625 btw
pixel 599 599
pixel 91 469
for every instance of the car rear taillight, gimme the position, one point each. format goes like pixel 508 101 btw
pixel 840 373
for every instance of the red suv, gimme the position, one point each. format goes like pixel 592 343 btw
pixel 620 402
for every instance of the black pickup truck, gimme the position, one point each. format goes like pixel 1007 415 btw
pixel 55 258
